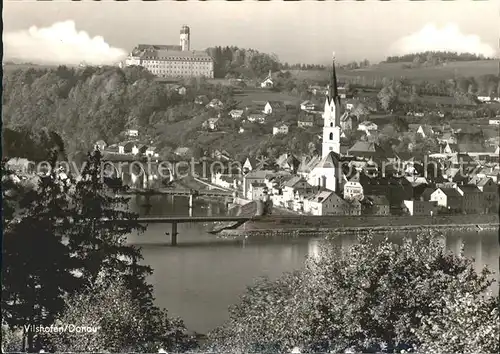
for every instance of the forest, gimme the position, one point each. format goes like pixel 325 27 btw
pixel 85 105
pixel 438 55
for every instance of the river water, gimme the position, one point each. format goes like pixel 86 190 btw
pixel 204 274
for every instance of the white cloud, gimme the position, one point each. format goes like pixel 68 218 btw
pixel 447 38
pixel 60 43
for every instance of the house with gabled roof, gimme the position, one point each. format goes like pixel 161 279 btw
pixel 448 199
pixel 305 120
pixel 288 162
pixel 215 103
pixel 211 123
pixel 420 207
pixel 473 199
pixel 423 130
pixel 377 204
pixel 307 165
pixel 368 127
pixel 268 82
pixel 307 106
pixel 327 202
pixel 369 151
pixel 280 128
pixel 256 118
pixel 236 113
pixel 348 122
pixel 293 186
pixel 255 176
pixel 275 107
pixel 490 192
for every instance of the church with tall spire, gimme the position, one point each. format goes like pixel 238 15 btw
pixel 331 117
pixel 327 173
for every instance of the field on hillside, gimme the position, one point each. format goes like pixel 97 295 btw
pixel 249 95
pixel 396 70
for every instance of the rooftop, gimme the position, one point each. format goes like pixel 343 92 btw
pixel 329 161
pixel 450 192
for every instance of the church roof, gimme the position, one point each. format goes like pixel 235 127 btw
pixel 329 161
pixel 306 166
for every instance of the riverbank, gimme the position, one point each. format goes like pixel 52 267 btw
pixel 310 226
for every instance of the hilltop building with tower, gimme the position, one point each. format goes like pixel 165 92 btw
pixel 170 61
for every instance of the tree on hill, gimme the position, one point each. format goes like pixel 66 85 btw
pixel 368 298
pixel 387 98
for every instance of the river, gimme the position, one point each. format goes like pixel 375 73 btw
pixel 203 275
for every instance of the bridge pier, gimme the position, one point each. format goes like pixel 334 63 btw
pixel 173 235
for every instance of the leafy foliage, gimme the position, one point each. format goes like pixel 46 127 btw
pixel 63 238
pixel 369 297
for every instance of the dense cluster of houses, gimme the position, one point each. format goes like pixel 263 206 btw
pixel 363 190
pixel 132 146
pixel 366 178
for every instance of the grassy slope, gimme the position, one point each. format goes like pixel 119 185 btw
pixel 249 95
pixel 466 68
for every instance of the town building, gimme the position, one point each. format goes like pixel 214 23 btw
pixel 211 124
pixel 132 133
pixel 307 106
pixel 215 103
pixel 490 192
pixel 256 118
pixel 353 190
pixel 448 199
pixel 367 127
pixel 288 162
pixel 274 107
pixel 327 203
pixel 236 113
pixel 173 60
pixel 376 205
pixel 268 81
pixel 305 120
pixel 295 185
pixel 280 129
pixel 151 151
pixel 473 199
pixel 257 191
pixel 348 122
pixel 255 176
pixel 420 207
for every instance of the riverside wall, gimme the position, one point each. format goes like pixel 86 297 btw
pixel 311 226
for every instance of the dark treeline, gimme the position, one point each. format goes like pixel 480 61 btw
pixel 234 62
pixel 441 56
pixel 484 85
pixel 300 66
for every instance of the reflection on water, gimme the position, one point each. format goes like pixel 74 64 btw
pixel 204 274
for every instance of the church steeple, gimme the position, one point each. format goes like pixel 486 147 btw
pixel 331 117
pixel 333 92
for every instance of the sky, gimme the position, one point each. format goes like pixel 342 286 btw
pixel 306 32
